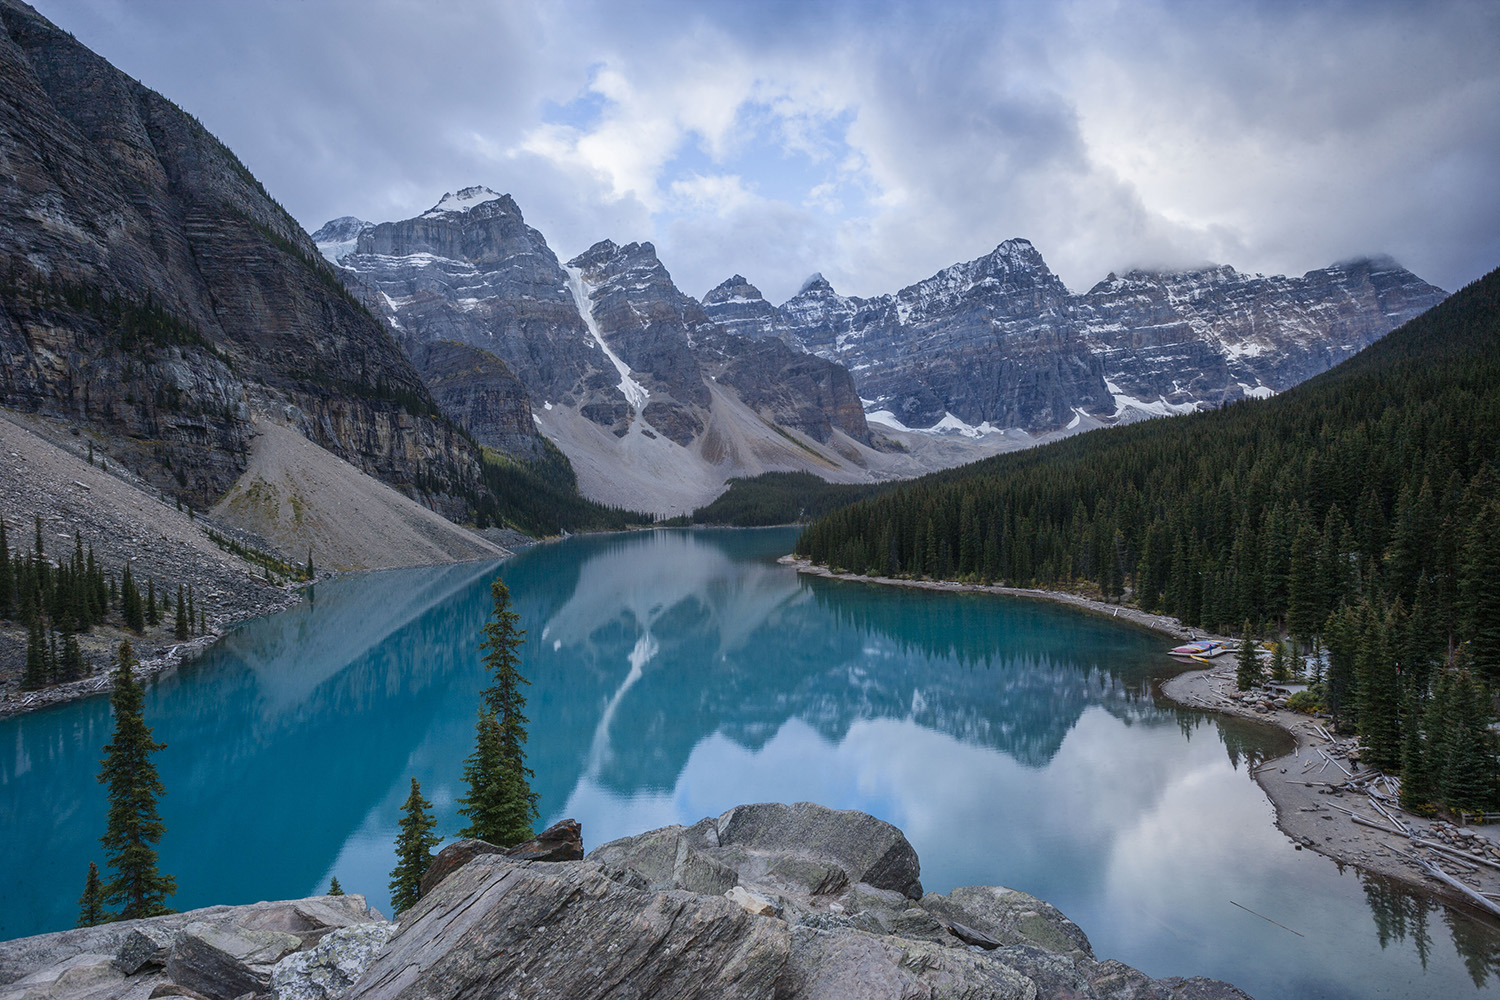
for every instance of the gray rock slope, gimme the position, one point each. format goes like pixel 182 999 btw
pixel 1001 340
pixel 765 901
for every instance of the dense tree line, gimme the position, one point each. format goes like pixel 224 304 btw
pixel 1360 510
pixel 540 497
pixel 780 498
pixel 58 601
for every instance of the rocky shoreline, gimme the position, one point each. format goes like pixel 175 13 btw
pixel 764 901
pixel 1311 809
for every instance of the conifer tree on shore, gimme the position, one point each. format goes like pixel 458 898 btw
pixel 500 804
pixel 181 628
pixel 134 825
pixel 1279 672
pixel 1246 661
pixel 7 578
pixel 414 846
pixel 91 903
pixel 334 889
pixel 35 676
pixel 131 609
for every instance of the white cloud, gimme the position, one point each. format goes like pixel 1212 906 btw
pixel 874 143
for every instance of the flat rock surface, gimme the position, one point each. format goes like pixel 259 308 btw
pixel 217 952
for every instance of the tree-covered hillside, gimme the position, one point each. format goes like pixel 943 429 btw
pixel 1360 509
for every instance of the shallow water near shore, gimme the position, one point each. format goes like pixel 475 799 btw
pixel 678 673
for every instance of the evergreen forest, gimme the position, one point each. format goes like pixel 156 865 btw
pixel 1358 513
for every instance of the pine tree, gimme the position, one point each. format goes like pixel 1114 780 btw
pixel 35 677
pixel 7 578
pixel 334 889
pixel 1379 693
pixel 1480 589
pixel 153 613
pixel 91 903
pixel 1279 671
pixel 181 629
pixel 500 804
pixel 70 667
pixel 134 824
pixel 192 619
pixel 1468 778
pixel 1342 635
pixel 414 847
pixel 131 609
pixel 1247 661
pixel 308 570
pixel 1418 790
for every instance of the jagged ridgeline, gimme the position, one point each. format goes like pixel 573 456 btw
pixel 1376 482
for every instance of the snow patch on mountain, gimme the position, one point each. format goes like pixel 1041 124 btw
pixel 1125 404
pixel 461 201
pixel 635 394
pixel 338 237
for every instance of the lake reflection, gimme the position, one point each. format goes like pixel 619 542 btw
pixel 675 674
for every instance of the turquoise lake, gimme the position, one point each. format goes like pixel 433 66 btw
pixel 678 673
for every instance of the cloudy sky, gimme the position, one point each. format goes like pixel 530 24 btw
pixel 875 142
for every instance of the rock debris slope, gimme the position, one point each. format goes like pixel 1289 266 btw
pixel 1000 341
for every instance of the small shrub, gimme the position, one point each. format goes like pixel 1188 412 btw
pixel 1309 701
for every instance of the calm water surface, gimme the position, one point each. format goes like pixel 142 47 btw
pixel 676 674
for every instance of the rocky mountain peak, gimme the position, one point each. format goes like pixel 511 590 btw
pixel 466 199
pixel 345 227
pixel 340 236
pixel 731 289
pixel 816 283
pixel 607 260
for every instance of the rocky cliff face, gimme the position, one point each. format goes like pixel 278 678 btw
pixel 1000 340
pixel 470 270
pixel 478 390
pixel 157 293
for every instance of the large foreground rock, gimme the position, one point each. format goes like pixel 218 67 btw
pixel 765 901
pixel 220 953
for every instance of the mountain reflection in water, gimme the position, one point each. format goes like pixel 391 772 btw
pixel 677 673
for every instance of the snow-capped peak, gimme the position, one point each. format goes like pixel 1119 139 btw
pixel 462 200
pixel 815 281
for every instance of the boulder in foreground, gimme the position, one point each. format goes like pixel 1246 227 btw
pixel 766 901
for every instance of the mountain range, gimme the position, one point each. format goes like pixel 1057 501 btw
pixel 1000 342
pixel 984 356
pixel 654 403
